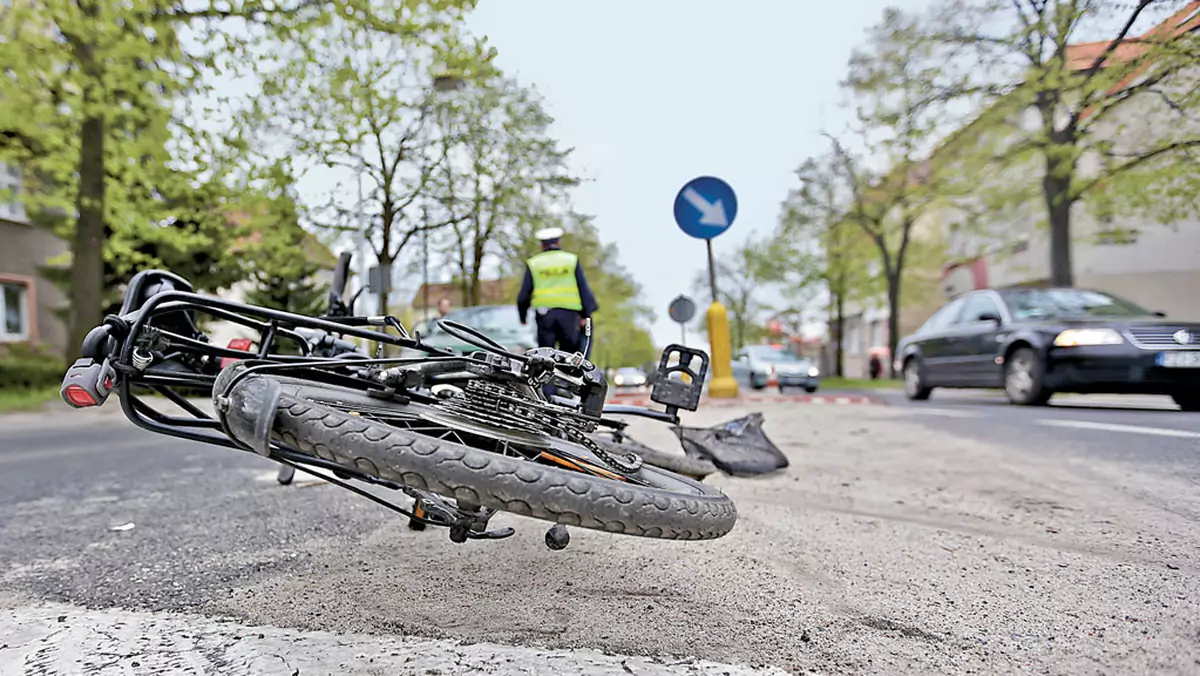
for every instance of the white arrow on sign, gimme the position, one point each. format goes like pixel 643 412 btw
pixel 711 213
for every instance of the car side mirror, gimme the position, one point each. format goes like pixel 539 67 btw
pixel 990 317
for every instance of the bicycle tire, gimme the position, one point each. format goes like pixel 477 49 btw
pixel 672 507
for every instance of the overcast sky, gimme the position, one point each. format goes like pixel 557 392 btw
pixel 652 93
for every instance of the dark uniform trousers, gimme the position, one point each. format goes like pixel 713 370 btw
pixel 559 328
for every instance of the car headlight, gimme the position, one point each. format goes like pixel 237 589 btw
pixel 813 372
pixel 1078 337
pixel 618 380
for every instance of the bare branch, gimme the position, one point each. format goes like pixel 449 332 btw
pixel 1098 63
pixel 1136 161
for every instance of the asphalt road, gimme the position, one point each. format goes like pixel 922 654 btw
pixel 203 518
pixel 953 536
pixel 1143 432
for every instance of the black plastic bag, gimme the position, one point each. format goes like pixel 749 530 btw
pixel 738 447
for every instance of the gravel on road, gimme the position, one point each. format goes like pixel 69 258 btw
pixel 884 548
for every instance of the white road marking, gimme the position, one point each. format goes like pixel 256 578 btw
pixel 1113 427
pixel 61 639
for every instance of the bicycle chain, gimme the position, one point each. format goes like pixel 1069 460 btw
pixel 499 405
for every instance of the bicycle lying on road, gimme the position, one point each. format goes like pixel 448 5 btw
pixel 463 435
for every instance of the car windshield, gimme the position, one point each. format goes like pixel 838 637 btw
pixel 773 355
pixel 629 371
pixel 1054 303
pixel 489 319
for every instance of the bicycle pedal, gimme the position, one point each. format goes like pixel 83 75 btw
pixel 678 393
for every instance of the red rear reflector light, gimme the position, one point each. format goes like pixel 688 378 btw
pixel 241 344
pixel 78 397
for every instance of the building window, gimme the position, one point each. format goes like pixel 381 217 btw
pixel 14 311
pixel 11 207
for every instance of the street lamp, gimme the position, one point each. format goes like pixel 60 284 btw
pixel 442 84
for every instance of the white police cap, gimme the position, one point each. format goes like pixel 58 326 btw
pixel 548 234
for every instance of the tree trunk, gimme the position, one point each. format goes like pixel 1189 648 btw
pixel 476 269
pixel 87 250
pixel 839 331
pixel 384 289
pixel 893 299
pixel 1058 207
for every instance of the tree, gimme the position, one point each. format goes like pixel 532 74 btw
pixel 1110 125
pixel 193 238
pixel 739 287
pixel 284 273
pixel 498 132
pixel 361 98
pixel 88 104
pixel 619 337
pixel 899 120
pixel 816 249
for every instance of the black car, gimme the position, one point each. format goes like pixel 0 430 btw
pixel 1035 342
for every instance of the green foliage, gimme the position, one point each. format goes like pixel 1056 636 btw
pixel 364 97
pixel 193 240
pixel 620 339
pixel 1110 127
pixel 499 131
pixel 23 367
pixel 85 110
pixel 280 265
pixel 88 106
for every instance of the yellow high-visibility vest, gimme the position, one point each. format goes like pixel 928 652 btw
pixel 554 284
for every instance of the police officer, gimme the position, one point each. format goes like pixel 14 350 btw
pixel 556 289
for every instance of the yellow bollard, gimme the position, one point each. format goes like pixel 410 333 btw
pixel 722 386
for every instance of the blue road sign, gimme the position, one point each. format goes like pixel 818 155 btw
pixel 705 207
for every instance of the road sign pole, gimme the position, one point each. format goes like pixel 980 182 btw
pixel 712 271
pixel 704 208
pixel 683 334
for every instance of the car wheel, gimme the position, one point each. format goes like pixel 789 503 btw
pixel 757 385
pixel 1187 402
pixel 1024 379
pixel 914 383
pixel 810 390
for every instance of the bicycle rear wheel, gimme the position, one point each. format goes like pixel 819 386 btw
pixel 313 418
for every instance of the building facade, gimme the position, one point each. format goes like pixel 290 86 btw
pixel 28 302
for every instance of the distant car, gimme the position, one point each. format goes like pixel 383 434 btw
pixel 1035 342
pixel 498 322
pixel 629 376
pixel 758 365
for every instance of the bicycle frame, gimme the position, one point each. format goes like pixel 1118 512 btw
pixel 121 342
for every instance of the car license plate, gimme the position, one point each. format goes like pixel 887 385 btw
pixel 1179 360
